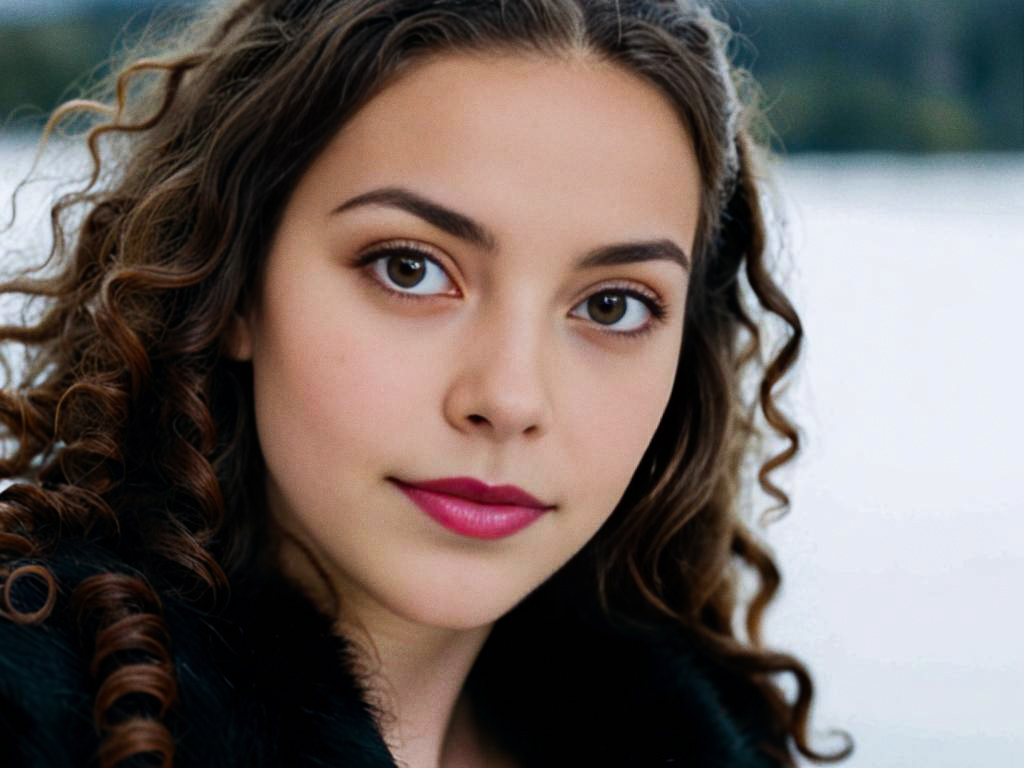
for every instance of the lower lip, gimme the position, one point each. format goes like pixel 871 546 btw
pixel 469 518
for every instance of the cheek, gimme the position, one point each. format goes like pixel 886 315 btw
pixel 329 398
pixel 611 420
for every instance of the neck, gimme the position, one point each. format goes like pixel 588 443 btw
pixel 414 676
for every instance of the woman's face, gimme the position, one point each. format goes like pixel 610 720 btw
pixel 492 315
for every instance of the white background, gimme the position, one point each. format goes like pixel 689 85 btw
pixel 903 555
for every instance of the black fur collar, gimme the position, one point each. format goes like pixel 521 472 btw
pixel 264 681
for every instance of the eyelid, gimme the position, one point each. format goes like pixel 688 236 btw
pixel 376 250
pixel 390 247
pixel 626 286
pixel 656 307
pixel 652 301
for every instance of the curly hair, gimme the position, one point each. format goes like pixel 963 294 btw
pixel 166 240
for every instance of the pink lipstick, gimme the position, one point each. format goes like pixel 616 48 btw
pixel 470 507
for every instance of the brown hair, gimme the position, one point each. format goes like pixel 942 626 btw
pixel 168 238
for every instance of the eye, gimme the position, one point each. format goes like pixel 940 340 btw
pixel 627 311
pixel 409 271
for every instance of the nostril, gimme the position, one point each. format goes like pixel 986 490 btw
pixel 477 418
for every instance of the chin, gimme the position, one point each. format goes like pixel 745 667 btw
pixel 455 604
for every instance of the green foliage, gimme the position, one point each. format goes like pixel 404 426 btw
pixel 908 75
pixel 42 62
pixel 47 61
pixel 904 75
pixel 834 109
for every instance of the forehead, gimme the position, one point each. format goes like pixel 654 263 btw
pixel 524 137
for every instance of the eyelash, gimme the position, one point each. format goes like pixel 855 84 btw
pixel 654 304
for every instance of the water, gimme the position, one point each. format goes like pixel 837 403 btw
pixel 903 548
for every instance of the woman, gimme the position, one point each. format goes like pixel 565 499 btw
pixel 387 404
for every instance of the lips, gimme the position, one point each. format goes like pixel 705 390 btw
pixel 475 490
pixel 469 507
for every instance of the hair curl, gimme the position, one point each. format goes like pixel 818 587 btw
pixel 170 233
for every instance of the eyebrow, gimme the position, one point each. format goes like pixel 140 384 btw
pixel 465 228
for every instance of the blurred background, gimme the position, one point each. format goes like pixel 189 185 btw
pixel 898 127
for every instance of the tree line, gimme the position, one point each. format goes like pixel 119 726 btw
pixel 906 75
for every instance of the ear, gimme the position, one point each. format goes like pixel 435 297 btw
pixel 238 338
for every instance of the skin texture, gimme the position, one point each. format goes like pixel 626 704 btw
pixel 501 372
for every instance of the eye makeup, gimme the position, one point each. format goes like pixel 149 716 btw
pixel 652 303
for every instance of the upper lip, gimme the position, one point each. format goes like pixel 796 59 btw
pixel 479 491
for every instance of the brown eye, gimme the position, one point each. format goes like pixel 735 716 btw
pixel 622 311
pixel 406 271
pixel 607 307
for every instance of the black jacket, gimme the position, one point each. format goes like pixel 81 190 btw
pixel 263 681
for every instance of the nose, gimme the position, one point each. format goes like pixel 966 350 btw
pixel 499 386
